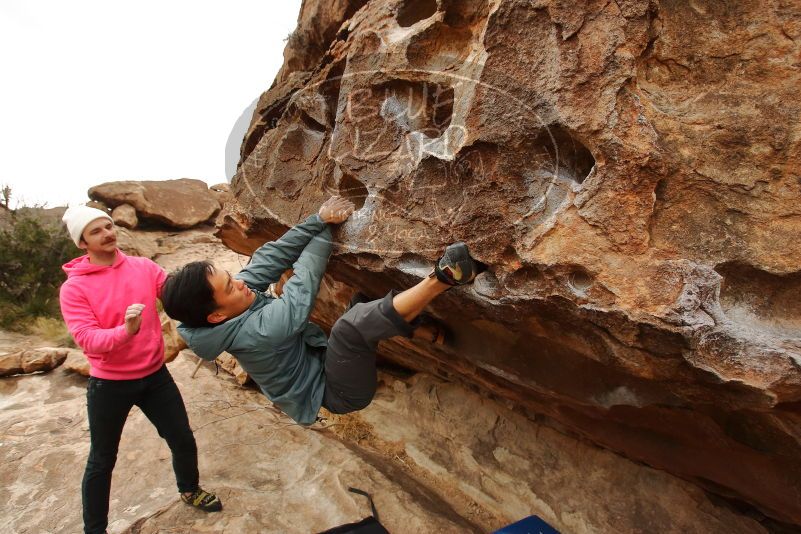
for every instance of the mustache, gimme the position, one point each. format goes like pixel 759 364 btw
pixel 109 240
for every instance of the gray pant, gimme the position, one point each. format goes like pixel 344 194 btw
pixel 350 373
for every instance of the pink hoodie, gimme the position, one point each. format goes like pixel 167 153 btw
pixel 93 302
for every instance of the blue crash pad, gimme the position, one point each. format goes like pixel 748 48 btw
pixel 530 525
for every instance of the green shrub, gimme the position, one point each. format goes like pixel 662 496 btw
pixel 31 256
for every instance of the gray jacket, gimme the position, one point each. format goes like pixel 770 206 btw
pixel 273 340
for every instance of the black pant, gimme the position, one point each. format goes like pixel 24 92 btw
pixel 350 369
pixel 109 402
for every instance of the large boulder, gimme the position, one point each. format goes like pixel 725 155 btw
pixel 629 171
pixel 182 203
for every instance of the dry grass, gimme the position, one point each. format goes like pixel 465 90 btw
pixel 352 428
pixel 51 329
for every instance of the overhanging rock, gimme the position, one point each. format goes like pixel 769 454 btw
pixel 630 170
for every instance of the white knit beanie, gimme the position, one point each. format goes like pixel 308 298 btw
pixel 77 217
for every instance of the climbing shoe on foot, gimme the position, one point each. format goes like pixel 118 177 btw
pixel 456 267
pixel 208 502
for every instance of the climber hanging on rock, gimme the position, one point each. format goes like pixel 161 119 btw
pixel 290 358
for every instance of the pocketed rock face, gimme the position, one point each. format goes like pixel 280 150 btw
pixel 630 171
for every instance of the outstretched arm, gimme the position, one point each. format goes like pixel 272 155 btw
pixel 288 315
pixel 275 257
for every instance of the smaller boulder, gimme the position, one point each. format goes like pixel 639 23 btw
pixel 76 362
pixel 222 192
pixel 230 365
pixel 11 363
pixel 98 205
pixel 125 215
pixel 32 360
pixel 173 342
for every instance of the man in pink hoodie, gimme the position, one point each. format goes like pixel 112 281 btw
pixel 109 305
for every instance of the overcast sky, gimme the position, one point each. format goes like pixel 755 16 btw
pixel 96 91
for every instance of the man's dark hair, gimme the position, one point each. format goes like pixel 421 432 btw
pixel 187 295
